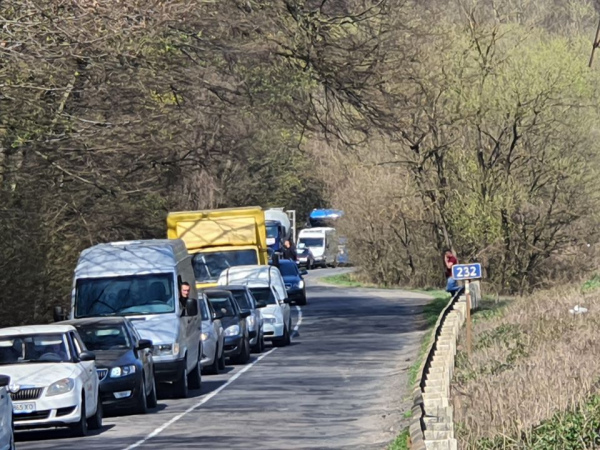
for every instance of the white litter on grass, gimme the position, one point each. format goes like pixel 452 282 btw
pixel 578 310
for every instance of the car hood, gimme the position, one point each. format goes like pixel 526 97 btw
pixel 159 329
pixel 272 310
pixel 228 321
pixel 38 374
pixel 291 279
pixel 112 358
pixel 317 251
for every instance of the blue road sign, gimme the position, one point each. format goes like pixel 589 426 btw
pixel 466 271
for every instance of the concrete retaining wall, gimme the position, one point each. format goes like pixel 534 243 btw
pixel 432 427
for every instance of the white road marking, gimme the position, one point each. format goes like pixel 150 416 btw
pixel 166 425
pixel 299 321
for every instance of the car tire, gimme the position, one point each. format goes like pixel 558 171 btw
pixel 282 341
pixel 152 400
pixel 80 429
pixel 213 369
pixel 195 376
pixel 260 343
pixel 302 301
pixel 222 360
pixel 244 355
pixel 95 422
pixel 180 387
pixel 141 406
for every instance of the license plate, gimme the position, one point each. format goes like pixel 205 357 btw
pixel 22 408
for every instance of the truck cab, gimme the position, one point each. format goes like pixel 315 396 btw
pixel 220 238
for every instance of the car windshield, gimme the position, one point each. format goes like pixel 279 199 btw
pixel 272 231
pixel 203 310
pixel 264 295
pixel 34 348
pixel 104 337
pixel 223 304
pixel 208 266
pixel 312 242
pixel 242 300
pixel 124 296
pixel 288 269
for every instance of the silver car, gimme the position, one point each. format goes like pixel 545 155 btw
pixel 213 337
pixel 7 437
pixel 247 302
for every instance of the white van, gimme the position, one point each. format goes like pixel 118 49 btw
pixel 141 280
pixel 323 244
pixel 267 287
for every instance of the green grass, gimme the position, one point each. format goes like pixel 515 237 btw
pixel 433 309
pixel 344 279
pixel 592 284
pixel 413 370
pixel 401 442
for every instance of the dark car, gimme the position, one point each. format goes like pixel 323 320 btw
pixel 237 335
pixel 304 257
pixel 123 362
pixel 294 283
pixel 247 302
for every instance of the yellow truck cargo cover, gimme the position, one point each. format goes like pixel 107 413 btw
pixel 219 227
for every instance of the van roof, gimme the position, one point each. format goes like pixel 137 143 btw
pixel 36 329
pixel 316 230
pixel 131 257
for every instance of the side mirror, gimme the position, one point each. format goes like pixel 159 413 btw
pixel 304 272
pixel 87 356
pixel 59 314
pixel 261 305
pixel 191 307
pixel 4 380
pixel 144 344
pixel 245 314
pixel 287 300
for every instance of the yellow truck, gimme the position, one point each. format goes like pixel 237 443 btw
pixel 220 238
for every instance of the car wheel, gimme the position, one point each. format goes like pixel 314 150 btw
pixel 213 369
pixel 195 376
pixel 260 343
pixel 141 406
pixel 181 389
pixel 95 422
pixel 80 428
pixel 281 342
pixel 244 355
pixel 152 401
pixel 222 360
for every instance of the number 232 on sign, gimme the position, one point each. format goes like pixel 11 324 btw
pixel 466 271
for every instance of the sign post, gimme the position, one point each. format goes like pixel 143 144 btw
pixel 467 272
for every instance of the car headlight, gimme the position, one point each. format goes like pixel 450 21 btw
pixel 204 336
pixel 165 349
pixel 61 387
pixel 268 319
pixel 233 330
pixel 118 372
pixel 251 321
pixel 301 284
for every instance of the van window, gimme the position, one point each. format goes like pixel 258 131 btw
pixel 312 242
pixel 124 296
pixel 272 231
pixel 208 266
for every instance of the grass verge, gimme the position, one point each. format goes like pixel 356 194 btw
pixel 344 279
pixel 401 442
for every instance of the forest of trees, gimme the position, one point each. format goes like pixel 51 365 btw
pixel 471 124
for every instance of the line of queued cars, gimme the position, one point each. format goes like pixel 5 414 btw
pixel 131 336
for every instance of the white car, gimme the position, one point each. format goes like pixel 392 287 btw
pixel 213 338
pixel 7 436
pixel 268 288
pixel 53 378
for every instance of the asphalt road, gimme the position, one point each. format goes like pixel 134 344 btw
pixel 341 384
